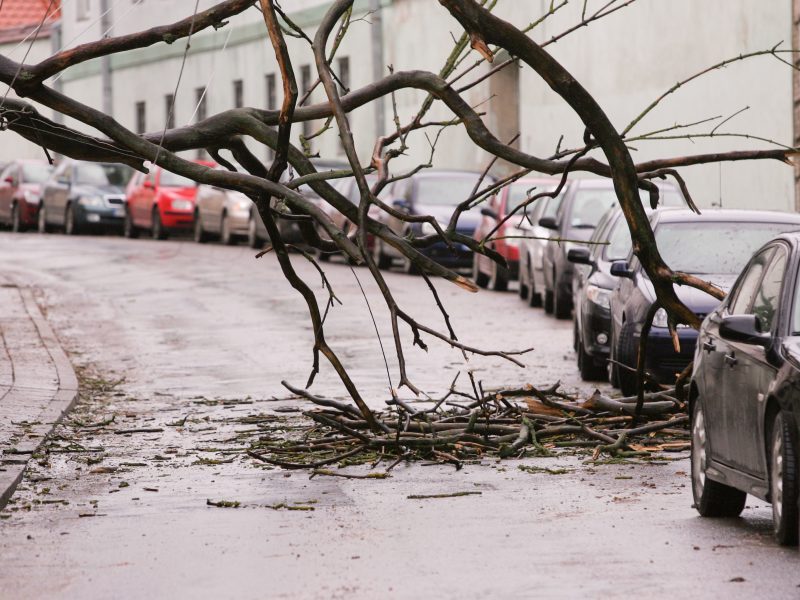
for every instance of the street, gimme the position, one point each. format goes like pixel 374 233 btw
pixel 182 345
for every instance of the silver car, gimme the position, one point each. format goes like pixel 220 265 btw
pixel 531 251
pixel 228 216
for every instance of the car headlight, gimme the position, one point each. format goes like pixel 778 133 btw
pixel 181 204
pixel 91 201
pixel 599 296
pixel 660 319
pixel 243 204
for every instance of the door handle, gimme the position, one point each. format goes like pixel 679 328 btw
pixel 709 346
pixel 731 360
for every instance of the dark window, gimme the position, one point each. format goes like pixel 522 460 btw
pixel 238 93
pixel 271 95
pixel 768 293
pixel 344 74
pixel 200 99
pixel 169 111
pixel 305 85
pixel 749 284
pixel 141 120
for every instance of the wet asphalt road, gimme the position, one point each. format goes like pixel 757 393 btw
pixel 205 334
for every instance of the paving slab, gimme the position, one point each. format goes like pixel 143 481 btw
pixel 37 382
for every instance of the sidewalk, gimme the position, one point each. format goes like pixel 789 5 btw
pixel 37 383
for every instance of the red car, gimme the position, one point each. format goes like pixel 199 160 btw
pixel 20 188
pixel 161 202
pixel 507 239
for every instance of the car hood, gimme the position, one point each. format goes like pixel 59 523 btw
pixel 698 301
pixel 468 220
pixel 97 190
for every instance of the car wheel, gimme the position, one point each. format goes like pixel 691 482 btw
pixel 711 498
pixel 613 369
pixel 16 221
pixel 42 221
pixel 129 230
pixel 523 287
pixel 200 234
pixel 627 354
pixel 548 302
pixel 253 241
pixel 783 482
pixel 158 227
pixel 225 235
pixel 534 298
pixel 384 262
pixel 590 370
pixel 70 226
pixel 563 303
pixel 480 278
pixel 499 278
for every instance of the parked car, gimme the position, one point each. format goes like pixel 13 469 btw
pixel 714 246
pixel 584 202
pixel 531 252
pixel 161 202
pixel 435 193
pixel 508 238
pixel 20 189
pixel 84 195
pixel 348 188
pixel 592 286
pixel 226 215
pixel 743 398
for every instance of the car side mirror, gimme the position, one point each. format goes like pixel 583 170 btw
pixel 743 328
pixel 148 185
pixel 580 256
pixel 620 269
pixel 9 180
pixel 548 223
pixel 400 204
pixel 488 212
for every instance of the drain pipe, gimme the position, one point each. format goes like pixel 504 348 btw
pixel 105 61
pixel 377 61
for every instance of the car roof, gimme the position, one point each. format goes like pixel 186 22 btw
pixel 709 215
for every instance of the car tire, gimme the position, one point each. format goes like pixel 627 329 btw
pixel 498 281
pixel 523 288
pixel 590 370
pixel 129 230
pixel 534 298
pixel 70 226
pixel 711 498
pixel 627 354
pixel 563 304
pixel 783 482
pixel 383 261
pixel 226 238
pixel 548 302
pixel 481 279
pixel 200 235
pixel 253 241
pixel 41 220
pixel 158 231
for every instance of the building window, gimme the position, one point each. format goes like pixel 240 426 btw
pixel 200 98
pixel 238 93
pixel 271 95
pixel 83 8
pixel 169 111
pixel 305 85
pixel 141 118
pixel 343 69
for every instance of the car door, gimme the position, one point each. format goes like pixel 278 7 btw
pixel 145 198
pixel 752 372
pixel 8 180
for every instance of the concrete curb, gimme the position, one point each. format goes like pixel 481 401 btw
pixel 42 405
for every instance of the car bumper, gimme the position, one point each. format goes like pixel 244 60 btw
pixel 596 324
pixel 662 361
pixel 28 212
pixel 173 219
pixel 458 257
pixel 100 217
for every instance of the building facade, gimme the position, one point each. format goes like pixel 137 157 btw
pixel 625 60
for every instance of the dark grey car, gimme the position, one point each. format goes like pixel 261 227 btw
pixel 83 195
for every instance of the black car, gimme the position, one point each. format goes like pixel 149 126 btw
pixel 82 195
pixel 714 246
pixel 593 285
pixel 580 208
pixel 745 392
pixel 435 193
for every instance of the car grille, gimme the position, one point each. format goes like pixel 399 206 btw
pixel 115 200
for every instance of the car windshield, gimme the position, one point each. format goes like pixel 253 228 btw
pixel 446 190
pixel 518 193
pixel 102 174
pixel 36 172
pixel 169 179
pixel 714 248
pixel 591 204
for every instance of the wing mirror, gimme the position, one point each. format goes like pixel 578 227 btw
pixel 488 212
pixel 620 269
pixel 548 223
pixel 148 185
pixel 401 204
pixel 580 256
pixel 9 180
pixel 743 328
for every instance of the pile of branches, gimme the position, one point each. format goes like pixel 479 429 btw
pixel 461 426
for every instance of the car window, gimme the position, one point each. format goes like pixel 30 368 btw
pixel 169 179
pixel 8 172
pixel 619 241
pixel 447 190
pixel 589 207
pixel 102 174
pixel 748 284
pixel 35 172
pixel 552 207
pixel 767 297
